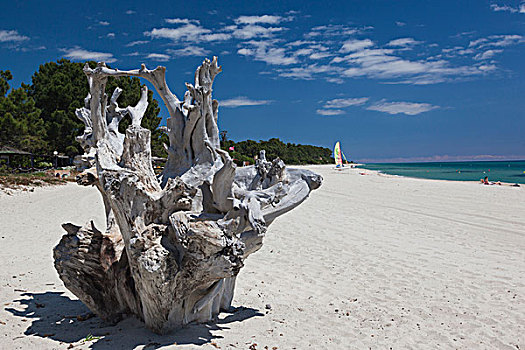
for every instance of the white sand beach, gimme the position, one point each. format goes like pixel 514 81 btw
pixel 367 262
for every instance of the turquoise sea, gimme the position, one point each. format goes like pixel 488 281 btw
pixel 504 171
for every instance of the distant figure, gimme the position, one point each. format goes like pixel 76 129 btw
pixel 485 181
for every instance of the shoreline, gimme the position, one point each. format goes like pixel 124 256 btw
pixel 387 175
pixel 379 172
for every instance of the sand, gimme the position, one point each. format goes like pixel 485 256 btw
pixel 368 261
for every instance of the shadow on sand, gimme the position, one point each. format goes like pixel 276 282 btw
pixel 54 316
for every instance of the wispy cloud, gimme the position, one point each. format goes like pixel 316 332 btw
pixel 497 41
pixel 364 58
pixel 266 19
pixel 242 101
pixel 309 72
pixel 130 12
pixel 506 8
pixel 486 54
pixel 403 42
pixel 188 51
pixel 345 102
pixel 264 51
pixel 408 108
pixel 138 42
pixel 331 30
pixel 11 36
pixel 187 33
pixel 385 64
pixel 254 31
pixel 336 52
pixel 158 57
pixel 330 111
pixel 80 54
pixel 356 45
pixel 181 21
pixel 400 24
pixel 103 23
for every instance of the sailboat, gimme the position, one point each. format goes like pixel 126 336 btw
pixel 339 156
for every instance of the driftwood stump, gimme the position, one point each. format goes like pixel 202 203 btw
pixel 174 243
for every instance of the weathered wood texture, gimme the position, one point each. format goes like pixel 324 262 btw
pixel 173 244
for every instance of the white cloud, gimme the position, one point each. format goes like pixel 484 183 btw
pixel 181 21
pixel 497 41
pixel 335 80
pixel 130 12
pixel 364 59
pixel 331 30
pixel 242 101
pixel 266 19
pixel 319 47
pixel 300 43
pixel 188 51
pixel 319 55
pixel 487 54
pixel 138 42
pixel 408 108
pixel 345 102
pixel 246 52
pixel 403 42
pixel 356 45
pixel 103 23
pixel 507 8
pixel 111 35
pixel 80 54
pixel 330 111
pixel 265 52
pixel 303 52
pixel 216 37
pixel 187 33
pixel 11 35
pixel 252 31
pixel 383 64
pixel 400 24
pixel 308 72
pixel 487 67
pixel 158 57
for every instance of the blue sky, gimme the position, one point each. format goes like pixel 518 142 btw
pixel 392 80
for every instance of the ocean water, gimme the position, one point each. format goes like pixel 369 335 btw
pixel 504 171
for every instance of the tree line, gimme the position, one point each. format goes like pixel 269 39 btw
pixel 290 153
pixel 40 117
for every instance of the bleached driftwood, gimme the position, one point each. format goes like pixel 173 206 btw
pixel 173 244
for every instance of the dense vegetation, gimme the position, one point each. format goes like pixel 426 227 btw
pixel 290 153
pixel 40 117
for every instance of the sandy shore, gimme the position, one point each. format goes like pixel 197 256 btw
pixel 366 262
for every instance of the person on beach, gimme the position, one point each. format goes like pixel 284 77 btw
pixel 485 181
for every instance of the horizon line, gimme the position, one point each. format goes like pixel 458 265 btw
pixel 444 159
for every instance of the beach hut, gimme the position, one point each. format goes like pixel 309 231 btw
pixel 7 154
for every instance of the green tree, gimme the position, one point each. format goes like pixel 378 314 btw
pixel 58 88
pixel 5 76
pixel 290 153
pixel 20 123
